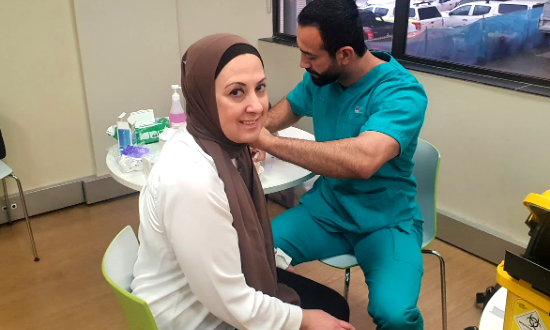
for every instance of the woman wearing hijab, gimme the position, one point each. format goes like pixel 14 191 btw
pixel 206 258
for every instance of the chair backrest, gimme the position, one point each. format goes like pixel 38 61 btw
pixel 425 171
pixel 118 268
pixel 2 147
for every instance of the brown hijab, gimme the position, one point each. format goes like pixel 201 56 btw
pixel 242 187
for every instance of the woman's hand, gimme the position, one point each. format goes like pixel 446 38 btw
pixel 316 319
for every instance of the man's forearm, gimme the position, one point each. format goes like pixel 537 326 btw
pixel 344 159
pixel 281 116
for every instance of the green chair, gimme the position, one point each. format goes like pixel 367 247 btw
pixel 425 171
pixel 118 270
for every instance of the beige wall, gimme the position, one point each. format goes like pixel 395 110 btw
pixel 494 148
pixel 492 141
pixel 127 58
pixel 42 104
pixel 283 73
pixel 130 57
pixel 250 19
pixel 131 51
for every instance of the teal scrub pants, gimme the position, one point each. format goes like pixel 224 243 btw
pixel 390 258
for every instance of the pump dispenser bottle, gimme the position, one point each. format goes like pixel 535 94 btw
pixel 177 113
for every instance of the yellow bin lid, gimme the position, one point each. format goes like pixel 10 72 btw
pixel 538 204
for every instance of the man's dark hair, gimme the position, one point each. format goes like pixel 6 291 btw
pixel 338 23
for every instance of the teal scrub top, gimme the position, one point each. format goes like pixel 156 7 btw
pixel 389 100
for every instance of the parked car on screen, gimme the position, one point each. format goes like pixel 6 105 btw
pixel 442 5
pixel 422 15
pixel 463 2
pixel 544 20
pixel 378 2
pixel 374 26
pixel 476 10
pixel 445 5
pixel 425 16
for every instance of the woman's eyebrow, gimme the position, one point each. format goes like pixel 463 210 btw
pixel 236 82
pixel 243 84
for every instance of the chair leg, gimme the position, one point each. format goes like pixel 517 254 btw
pixel 7 200
pixel 443 286
pixel 24 205
pixel 346 284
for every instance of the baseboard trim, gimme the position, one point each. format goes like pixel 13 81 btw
pixel 44 200
pixel 98 189
pixel 90 190
pixel 474 240
pixel 87 190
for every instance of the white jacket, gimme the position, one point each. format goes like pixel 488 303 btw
pixel 188 268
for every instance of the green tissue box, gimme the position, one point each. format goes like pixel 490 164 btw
pixel 145 134
pixel 149 133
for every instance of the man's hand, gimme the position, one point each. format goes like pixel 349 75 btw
pixel 281 116
pixel 264 140
pixel 291 269
pixel 352 158
pixel 257 155
pixel 316 319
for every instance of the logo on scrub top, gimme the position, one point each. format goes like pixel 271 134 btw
pixel 358 110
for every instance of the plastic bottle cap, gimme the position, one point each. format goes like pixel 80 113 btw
pixel 175 88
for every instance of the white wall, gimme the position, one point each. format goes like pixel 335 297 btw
pixel 42 103
pixel 492 141
pixel 250 19
pixel 130 57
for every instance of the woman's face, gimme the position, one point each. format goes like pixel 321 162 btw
pixel 242 99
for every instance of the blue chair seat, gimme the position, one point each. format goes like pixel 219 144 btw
pixel 5 170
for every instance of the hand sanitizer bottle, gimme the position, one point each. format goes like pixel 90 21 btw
pixel 177 113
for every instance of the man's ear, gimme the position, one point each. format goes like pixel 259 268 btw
pixel 345 54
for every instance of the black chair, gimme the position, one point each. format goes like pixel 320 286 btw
pixel 6 171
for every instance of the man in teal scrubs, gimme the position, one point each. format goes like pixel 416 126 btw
pixel 367 114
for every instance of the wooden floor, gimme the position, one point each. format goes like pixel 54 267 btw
pixel 66 290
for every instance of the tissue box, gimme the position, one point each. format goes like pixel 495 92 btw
pixel 142 117
pixel 144 134
pixel 149 133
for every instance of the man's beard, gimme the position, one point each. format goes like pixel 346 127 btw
pixel 330 75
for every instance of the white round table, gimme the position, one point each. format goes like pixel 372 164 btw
pixel 278 175
pixel 492 317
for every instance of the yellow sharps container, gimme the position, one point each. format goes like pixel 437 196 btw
pixel 527 277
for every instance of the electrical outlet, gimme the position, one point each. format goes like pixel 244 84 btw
pixel 13 206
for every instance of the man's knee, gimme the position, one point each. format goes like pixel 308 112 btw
pixel 300 236
pixel 394 316
pixel 286 236
pixel 283 231
pixel 393 304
